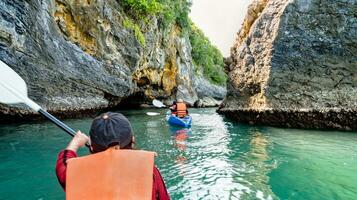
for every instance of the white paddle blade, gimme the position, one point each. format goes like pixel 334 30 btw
pixel 152 113
pixel 158 103
pixel 13 89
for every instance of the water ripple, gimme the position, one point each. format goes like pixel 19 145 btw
pixel 215 159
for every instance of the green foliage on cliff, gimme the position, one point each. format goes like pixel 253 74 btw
pixel 206 57
pixel 169 12
pixel 129 24
pixel 142 8
pixel 176 12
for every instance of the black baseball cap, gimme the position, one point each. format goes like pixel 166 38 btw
pixel 110 129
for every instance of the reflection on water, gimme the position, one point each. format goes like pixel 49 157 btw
pixel 212 164
pixel 180 136
pixel 259 156
pixel 259 147
pixel 215 159
pixel 251 163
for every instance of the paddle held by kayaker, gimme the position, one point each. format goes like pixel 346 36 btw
pixel 110 132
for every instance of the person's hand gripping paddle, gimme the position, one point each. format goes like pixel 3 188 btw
pixel 13 90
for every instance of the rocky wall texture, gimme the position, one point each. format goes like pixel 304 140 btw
pixel 79 56
pixel 294 64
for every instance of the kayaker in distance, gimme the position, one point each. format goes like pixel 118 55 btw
pixel 107 130
pixel 179 108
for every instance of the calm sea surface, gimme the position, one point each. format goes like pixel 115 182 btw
pixel 215 159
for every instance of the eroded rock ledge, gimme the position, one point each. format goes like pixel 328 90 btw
pixel 310 119
pixel 294 65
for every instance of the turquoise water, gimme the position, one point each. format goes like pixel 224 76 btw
pixel 216 159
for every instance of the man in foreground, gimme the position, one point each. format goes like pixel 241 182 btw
pixel 109 130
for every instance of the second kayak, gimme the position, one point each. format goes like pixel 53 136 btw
pixel 176 121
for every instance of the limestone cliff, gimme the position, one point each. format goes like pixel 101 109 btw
pixel 83 55
pixel 294 64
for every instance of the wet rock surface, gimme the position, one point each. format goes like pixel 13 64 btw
pixel 206 89
pixel 294 64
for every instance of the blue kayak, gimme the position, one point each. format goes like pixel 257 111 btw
pixel 176 121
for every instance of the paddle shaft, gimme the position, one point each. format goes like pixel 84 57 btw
pixel 14 91
pixel 60 124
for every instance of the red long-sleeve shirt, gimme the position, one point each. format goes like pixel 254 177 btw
pixel 159 191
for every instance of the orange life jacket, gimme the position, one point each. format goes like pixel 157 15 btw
pixel 112 174
pixel 181 110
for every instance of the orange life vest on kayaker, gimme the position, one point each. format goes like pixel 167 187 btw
pixel 112 174
pixel 181 110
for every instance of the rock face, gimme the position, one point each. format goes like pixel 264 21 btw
pixel 209 95
pixel 294 64
pixel 78 55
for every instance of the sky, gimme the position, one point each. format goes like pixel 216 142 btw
pixel 220 20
